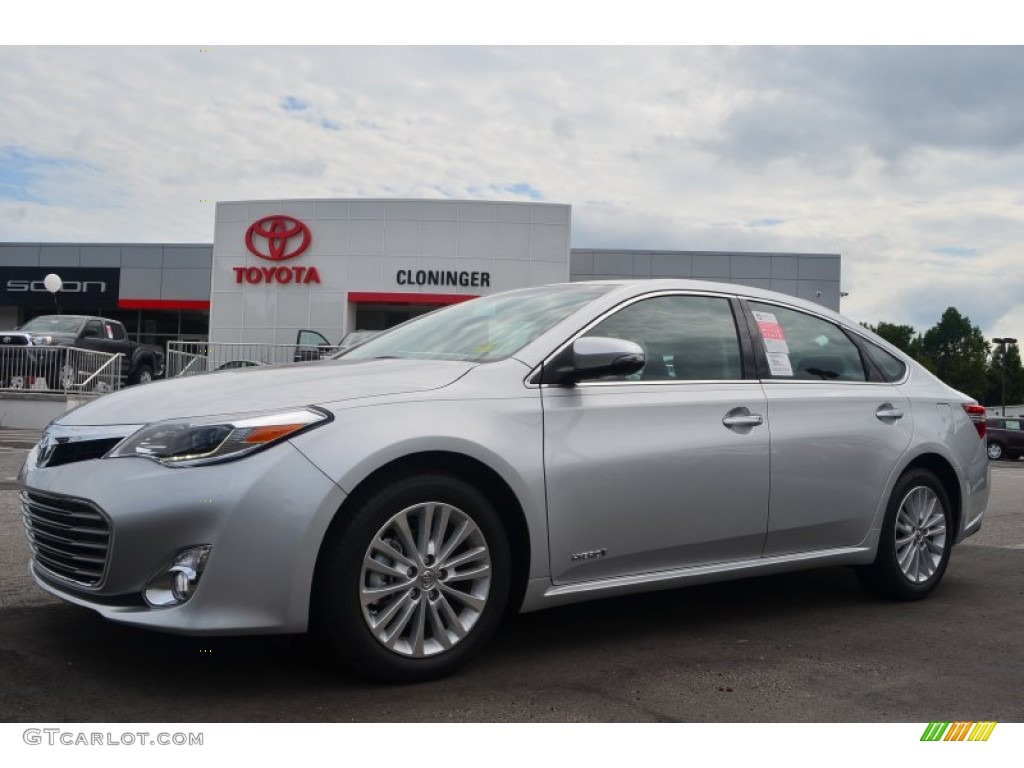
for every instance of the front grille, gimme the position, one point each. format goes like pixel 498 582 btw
pixel 78 450
pixel 69 537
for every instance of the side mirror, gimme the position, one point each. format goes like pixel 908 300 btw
pixel 594 357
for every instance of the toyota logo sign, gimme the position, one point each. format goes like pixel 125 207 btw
pixel 281 237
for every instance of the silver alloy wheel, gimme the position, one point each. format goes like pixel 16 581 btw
pixel 425 579
pixel 920 534
pixel 995 451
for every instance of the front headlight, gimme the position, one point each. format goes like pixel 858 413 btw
pixel 192 442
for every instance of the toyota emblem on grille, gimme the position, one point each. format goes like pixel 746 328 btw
pixel 286 237
pixel 7 339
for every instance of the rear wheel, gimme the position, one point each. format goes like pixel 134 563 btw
pixel 995 451
pixel 916 538
pixel 416 582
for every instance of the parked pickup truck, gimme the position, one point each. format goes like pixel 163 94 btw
pixel 23 355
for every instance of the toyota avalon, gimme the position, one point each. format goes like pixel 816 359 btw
pixel 515 452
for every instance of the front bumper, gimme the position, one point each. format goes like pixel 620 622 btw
pixel 264 516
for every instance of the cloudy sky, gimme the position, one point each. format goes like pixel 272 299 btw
pixel 907 161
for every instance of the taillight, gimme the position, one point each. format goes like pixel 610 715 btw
pixel 976 413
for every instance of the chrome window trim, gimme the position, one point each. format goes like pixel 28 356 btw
pixel 656 382
pixel 816 382
pixel 729 297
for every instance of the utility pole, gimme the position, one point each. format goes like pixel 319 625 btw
pixel 1002 342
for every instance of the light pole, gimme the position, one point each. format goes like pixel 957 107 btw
pixel 1002 373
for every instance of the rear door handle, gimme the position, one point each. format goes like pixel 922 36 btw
pixel 887 412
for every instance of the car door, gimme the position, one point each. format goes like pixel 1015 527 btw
pixel 311 345
pixel 92 336
pixel 838 429
pixel 668 467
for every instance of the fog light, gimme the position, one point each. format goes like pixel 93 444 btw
pixel 178 582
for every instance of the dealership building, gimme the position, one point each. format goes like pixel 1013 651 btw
pixel 276 267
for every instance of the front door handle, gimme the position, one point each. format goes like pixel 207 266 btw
pixel 886 412
pixel 742 418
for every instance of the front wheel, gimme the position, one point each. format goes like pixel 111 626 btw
pixel 416 581
pixel 995 451
pixel 916 538
pixel 142 375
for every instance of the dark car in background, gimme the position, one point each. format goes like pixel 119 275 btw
pixel 1005 438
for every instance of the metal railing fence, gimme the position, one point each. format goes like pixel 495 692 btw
pixel 187 358
pixel 59 370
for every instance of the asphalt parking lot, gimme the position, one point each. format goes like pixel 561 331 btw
pixel 810 646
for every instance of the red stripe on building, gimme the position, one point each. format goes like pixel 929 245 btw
pixel 161 304
pixel 358 297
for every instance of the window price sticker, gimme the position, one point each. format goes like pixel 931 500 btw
pixel 775 346
pixel 779 365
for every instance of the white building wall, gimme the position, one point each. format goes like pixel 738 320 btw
pixel 362 245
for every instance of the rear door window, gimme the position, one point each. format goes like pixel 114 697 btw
pixel 800 346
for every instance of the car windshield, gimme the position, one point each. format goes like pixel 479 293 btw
pixel 481 330
pixel 53 324
pixel 356 337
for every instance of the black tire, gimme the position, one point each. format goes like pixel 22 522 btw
pixel 141 375
pixel 427 596
pixel 995 451
pixel 922 535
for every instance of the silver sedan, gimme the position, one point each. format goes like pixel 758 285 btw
pixel 514 452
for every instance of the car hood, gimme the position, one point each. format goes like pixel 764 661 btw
pixel 251 390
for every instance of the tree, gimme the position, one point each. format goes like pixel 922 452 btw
pixel 1014 376
pixel 958 353
pixel 903 336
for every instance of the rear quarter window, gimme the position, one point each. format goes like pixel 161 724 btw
pixel 891 366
